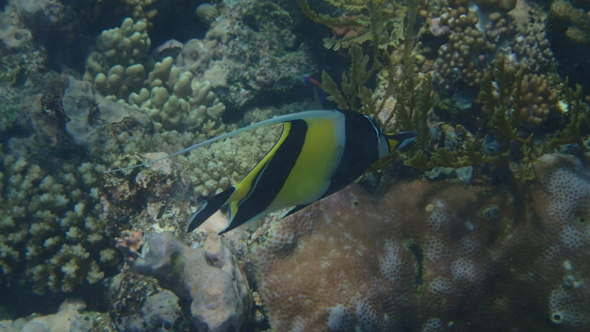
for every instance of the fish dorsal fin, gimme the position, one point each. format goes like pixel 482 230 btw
pixel 275 120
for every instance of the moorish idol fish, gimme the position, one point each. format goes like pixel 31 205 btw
pixel 317 154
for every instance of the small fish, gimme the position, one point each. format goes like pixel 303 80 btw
pixel 320 96
pixel 317 154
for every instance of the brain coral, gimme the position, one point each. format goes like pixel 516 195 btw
pixel 431 256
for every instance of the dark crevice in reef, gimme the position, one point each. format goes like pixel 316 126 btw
pixel 416 250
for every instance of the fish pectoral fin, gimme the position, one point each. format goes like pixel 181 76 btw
pixel 208 207
pixel 294 209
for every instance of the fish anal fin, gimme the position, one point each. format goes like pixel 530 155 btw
pixel 208 208
pixel 294 209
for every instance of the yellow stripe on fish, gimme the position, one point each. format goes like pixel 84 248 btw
pixel 317 154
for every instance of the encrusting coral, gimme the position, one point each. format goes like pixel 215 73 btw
pixel 431 256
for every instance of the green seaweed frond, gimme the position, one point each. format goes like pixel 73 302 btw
pixel 414 97
pixel 376 21
pixel 500 94
pixel 396 78
pixel 576 116
pixel 353 93
pixel 496 93
pixel 467 155
pixel 349 4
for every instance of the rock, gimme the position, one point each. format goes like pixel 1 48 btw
pixel 208 276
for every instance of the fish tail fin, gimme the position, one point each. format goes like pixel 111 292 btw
pixel 400 140
pixel 208 207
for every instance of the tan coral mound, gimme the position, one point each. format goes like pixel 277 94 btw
pixel 429 256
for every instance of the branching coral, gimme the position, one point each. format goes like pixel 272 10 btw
pixel 121 69
pixel 480 35
pixel 575 19
pixel 377 22
pixel 53 227
pixel 354 92
pixel 141 9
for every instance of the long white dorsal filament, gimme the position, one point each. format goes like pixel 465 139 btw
pixel 275 120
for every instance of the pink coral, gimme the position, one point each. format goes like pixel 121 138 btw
pixel 434 255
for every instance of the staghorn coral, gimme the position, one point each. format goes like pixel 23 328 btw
pixel 121 69
pixel 434 255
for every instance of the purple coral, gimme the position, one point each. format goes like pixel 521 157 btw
pixel 429 256
pixel 209 276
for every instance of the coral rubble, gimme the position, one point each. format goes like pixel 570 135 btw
pixel 431 256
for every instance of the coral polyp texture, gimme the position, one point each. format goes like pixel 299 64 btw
pixel 52 228
pixel 435 256
pixel 122 70
pixel 479 33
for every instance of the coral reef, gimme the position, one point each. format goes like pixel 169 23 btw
pixel 378 22
pixel 477 36
pixel 430 256
pixel 207 12
pixel 52 226
pixel 141 197
pixel 71 316
pixel 576 20
pixel 475 80
pixel 569 31
pixel 121 69
pixel 141 9
pixel 138 303
pixel 209 276
pixel 39 13
pixel 250 54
